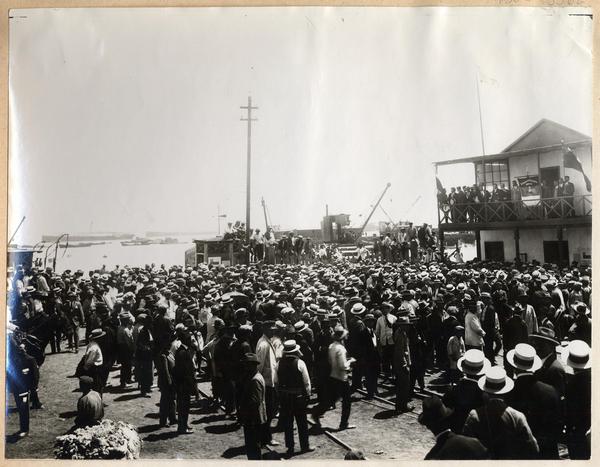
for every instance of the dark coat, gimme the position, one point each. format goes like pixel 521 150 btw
pixel 515 332
pixel 579 402
pixel 252 409
pixel 540 404
pixel 450 446
pixel 553 373
pixel 463 398
pixel 184 371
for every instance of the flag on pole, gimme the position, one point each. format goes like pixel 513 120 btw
pixel 571 161
pixel 440 187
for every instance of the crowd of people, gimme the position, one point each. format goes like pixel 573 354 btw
pixel 512 341
pixel 465 204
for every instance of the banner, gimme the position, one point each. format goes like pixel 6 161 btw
pixel 530 188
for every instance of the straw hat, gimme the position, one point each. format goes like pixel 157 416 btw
pixel 577 355
pixel 524 357
pixel 495 381
pixel 290 347
pixel 473 363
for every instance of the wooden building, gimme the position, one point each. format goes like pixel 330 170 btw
pixel 533 223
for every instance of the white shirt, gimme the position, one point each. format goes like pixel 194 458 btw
pixel 338 362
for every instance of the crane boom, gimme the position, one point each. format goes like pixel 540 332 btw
pixel 264 206
pixel 373 210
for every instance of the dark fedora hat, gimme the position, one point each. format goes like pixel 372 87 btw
pixel 250 359
pixel 434 411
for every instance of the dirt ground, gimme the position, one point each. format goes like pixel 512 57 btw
pixel 378 435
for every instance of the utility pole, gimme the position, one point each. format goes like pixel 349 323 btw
pixel 248 119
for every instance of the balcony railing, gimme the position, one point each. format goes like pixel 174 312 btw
pixel 505 211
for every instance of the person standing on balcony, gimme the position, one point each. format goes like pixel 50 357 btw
pixel 568 192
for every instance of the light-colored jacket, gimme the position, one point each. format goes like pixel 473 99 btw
pixel 530 319
pixel 267 365
pixel 473 331
pixel 383 332
pixel 456 349
pixel 338 362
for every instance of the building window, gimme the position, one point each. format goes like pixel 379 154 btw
pixel 491 173
pixel 556 252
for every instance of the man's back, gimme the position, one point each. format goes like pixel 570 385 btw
pixel 450 446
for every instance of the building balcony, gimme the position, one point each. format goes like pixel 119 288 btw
pixel 573 210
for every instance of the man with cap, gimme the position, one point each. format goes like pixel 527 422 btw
pixel 538 401
pixel 125 347
pixel 165 363
pixel 503 430
pixel 474 333
pixel 514 332
pixel 354 344
pixel 338 386
pixel 184 380
pixel 466 395
pixel 293 385
pixel 455 349
pixel 267 367
pixel 401 363
pixel 90 408
pixel 384 333
pixel 144 355
pixel 582 324
pixel 75 319
pixel 527 312
pixel 93 360
pixel 576 358
pixel 490 324
pixel 371 355
pixel 252 413
pixel 22 376
pixel 448 445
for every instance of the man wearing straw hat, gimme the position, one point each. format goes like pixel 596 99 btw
pixel 466 395
pixel 293 384
pixel 338 379
pixel 576 358
pixel 538 401
pixel 503 430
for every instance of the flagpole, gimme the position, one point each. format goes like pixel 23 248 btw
pixel 480 118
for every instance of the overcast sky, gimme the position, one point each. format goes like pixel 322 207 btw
pixel 129 119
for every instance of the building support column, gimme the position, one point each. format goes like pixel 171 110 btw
pixel 517 248
pixel 442 246
pixel 559 237
pixel 478 243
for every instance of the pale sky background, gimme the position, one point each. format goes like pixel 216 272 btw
pixel 130 119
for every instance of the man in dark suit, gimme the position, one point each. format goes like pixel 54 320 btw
pixel 568 192
pixel 466 395
pixel 552 371
pixel 578 398
pixel 448 445
pixel 185 382
pixel 538 401
pixel 252 413
pixel 514 332
pixel 371 355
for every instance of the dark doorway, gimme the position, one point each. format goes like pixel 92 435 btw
pixel 494 251
pixel 557 252
pixel 549 175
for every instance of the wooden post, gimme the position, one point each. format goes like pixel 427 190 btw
pixel 517 248
pixel 478 243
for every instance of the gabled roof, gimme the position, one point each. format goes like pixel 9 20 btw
pixel 545 133
pixel 544 136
